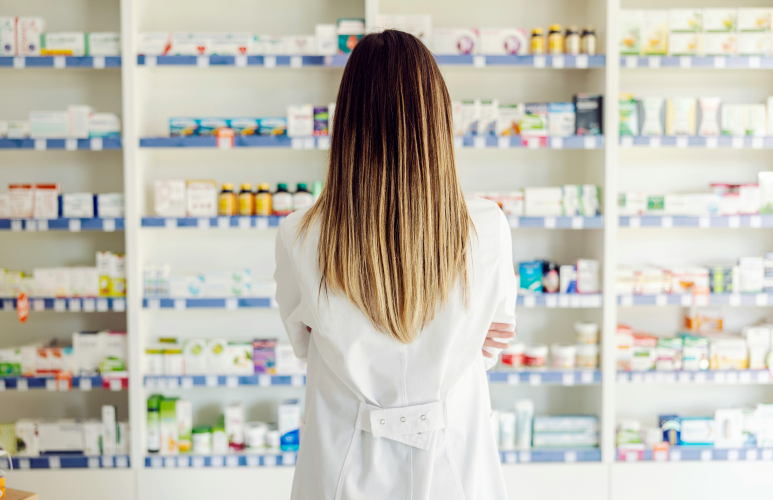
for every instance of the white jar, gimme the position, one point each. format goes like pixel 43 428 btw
pixel 587 332
pixel 512 356
pixel 202 442
pixel 255 434
pixel 535 356
pixel 564 356
pixel 219 442
pixel 587 356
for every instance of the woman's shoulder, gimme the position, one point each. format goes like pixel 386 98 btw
pixel 484 213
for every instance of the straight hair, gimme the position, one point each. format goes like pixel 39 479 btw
pixel 395 230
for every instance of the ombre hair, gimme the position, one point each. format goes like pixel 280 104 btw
pixel 395 230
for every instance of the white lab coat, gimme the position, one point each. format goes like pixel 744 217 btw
pixel 389 421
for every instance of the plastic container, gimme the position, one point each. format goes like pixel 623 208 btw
pixel 302 198
pixel 282 200
pixel 273 438
pixel 227 205
pixel 537 42
pixel 589 41
pixel 255 434
pixel 587 356
pixel 572 42
pixel 202 439
pixel 246 200
pixel 555 40
pixel 535 356
pixel 512 356
pixel 263 204
pixel 564 356
pixel 587 332
pixel 219 441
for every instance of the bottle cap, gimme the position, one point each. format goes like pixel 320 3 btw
pixel 246 186
pixel 264 186
pixel 281 186
pixel 555 27
pixel 536 31
pixel 302 186
pixel 228 186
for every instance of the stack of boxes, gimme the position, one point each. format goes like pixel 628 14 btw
pixel 78 122
pixel 24 36
pixel 46 201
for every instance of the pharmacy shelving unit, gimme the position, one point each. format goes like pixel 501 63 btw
pixel 79 165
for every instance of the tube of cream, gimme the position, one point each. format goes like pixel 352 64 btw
pixel 524 416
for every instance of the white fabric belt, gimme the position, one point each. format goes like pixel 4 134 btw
pixel 411 425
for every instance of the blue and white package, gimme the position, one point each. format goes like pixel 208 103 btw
pixel 531 277
pixel 183 127
pixel 289 425
pixel 210 126
pixel 561 119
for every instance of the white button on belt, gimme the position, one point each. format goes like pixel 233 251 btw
pixel 424 417
pixel 402 419
pixel 383 421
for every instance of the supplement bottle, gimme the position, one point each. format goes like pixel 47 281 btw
pixel 302 198
pixel 555 40
pixel 572 41
pixel 246 200
pixel 589 41
pixel 283 200
pixel 227 201
pixel 263 200
pixel 154 424
pixel 537 42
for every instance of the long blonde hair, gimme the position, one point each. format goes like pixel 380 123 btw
pixel 395 231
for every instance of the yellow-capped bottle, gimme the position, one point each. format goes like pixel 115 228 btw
pixel 227 205
pixel 263 200
pixel 537 42
pixel 555 40
pixel 246 200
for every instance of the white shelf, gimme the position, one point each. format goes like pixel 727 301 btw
pixel 696 62
pixel 698 453
pixel 79 305
pixel 697 221
pixel 685 142
pixel 689 300
pixel 85 383
pixel 695 377
pixel 94 144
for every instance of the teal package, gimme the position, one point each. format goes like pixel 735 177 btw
pixel 244 126
pixel 273 126
pixel 182 127
pixel 531 276
pixel 210 126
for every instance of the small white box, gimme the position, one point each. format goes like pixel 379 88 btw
pixel 7 36
pixel 755 120
pixel 186 286
pixel 104 125
pixel 195 353
pixel 752 273
pixel 239 357
pixel 169 198
pixel 79 118
pixel 720 44
pixel 685 44
pixel 18 129
pixel 103 44
pixel 546 201
pixel 62 282
pixel 234 424
pixel 78 205
pixel 286 362
pixel 326 39
pixel 685 20
pixel 297 45
pixel 62 436
pixel 21 200
pixel 190 44
pixel 300 120
pixel 110 205
pixel 27 437
pixel 754 20
pixel 46 201
pixel 49 124
pixel 217 360
pixel 93 437
pixel 720 20
pixel 471 114
pixel 503 41
pixel 230 44
pixel 456 41
pixel 154 44
pixel 45 282
pixel 272 44
pixel 631 203
pixel 108 420
pixel 587 276
pixel 202 198
pixel 5 206
pixel 63 44
pixel 755 44
pixel 28 32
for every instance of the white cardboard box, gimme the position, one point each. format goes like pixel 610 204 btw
pixel 503 41
pixel 7 36
pixel 456 41
pixel 46 201
pixel 169 198
pixel 202 198
pixel 104 44
pixel 28 31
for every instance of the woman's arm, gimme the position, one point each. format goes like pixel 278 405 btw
pixel 288 297
pixel 503 326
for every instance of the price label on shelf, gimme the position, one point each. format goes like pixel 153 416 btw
pixel 754 62
pixel 558 62
pixel 589 142
pixel 60 305
pixel 732 377
pixel 202 223
pixel 296 62
pixel 563 300
pixel 269 460
pixel 24 463
pixel 102 305
pixel 761 299
pixel 675 455
pixel 187 383
pixel 180 304
pixel 767 454
pixel 253 461
pixel 503 142
pixel 75 305
pixel 308 143
pixel 479 142
pixel 96 144
pixel 54 463
pixel 211 380
pixel 244 222
pixel 661 300
pixel 529 301
pixel 550 222
pixel 686 300
pixel 648 378
pixel 570 456
pixel 701 299
pixel 539 61
pixel 98 62
pixel 581 61
pixel 745 377
pixel 720 62
pixel 216 461
pixel 636 378
pixel 116 385
pixel 240 61
pixel 535 379
pixel 734 222
pixel 681 142
pixel 269 61
pixel 74 225
pixel 578 222
pixel 170 462
pixel 85 384
pixel 631 62
pixel 231 304
pixel 151 61
pixel 31 225
pixel 719 377
pixel 509 457
pixel 323 142
pixel 631 456
pixel 737 142
pixel 533 142
pixel 107 462
pixel 712 142
pixel 19 62
pixel 50 384
pixel 223 222
pixel 514 221
pixel 758 142
pixel 60 62
pixel 653 62
pixel 63 385
pixel 182 462
pixel 170 223
pixel 119 305
pixel 700 378
pixel 667 222
pixel 21 384
pixel 586 377
pixel 626 141
pixel 734 299
pixel 763 377
pixel 551 301
pixel 513 379
pixel 202 61
pixel 685 62
pixel 232 381
pixel 478 61
pixel 751 455
pixel 626 300
pixel 567 379
pixel 684 377
pixel 232 461
pixel 38 305
pixel 41 144
pixel 70 144
pixel 654 142
pixel 296 380
pixel 156 462
pixel 524 456
pixel 706 455
pixel 108 225
pixel 261 223
pixel 557 142
pixel 755 221
pixel 264 380
pixel 634 222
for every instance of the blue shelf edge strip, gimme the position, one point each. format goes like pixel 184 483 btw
pixel 687 300
pixel 549 455
pixel 213 222
pixel 729 62
pixel 560 300
pixel 68 462
pixel 206 303
pixel 97 304
pixel 62 224
pixel 475 142
pixel 705 221
pixel 554 377
pixel 94 144
pixel 69 61
pixel 339 61
pixel 40 382
pixel 721 141
pixel 263 380
pixel 698 453
pixel 697 377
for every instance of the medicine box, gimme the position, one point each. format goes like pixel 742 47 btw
pixel 189 44
pixel 754 20
pixel 685 21
pixel 544 201
pixel 79 121
pixel 78 205
pixel 300 120
pixel 169 198
pixel 264 355
pixel 655 32
pixel 184 414
pixel 631 23
pixel 720 20
pixel 456 41
pixel 489 110
pixel 186 286
pixel 271 44
pixel 470 117
pixel 154 44
pixel 531 277
pixel 93 436
pixel 28 32
pixel 289 425
pixel 49 124
pixel 21 198
pixel 561 119
pixel 202 198
pixel 27 438
pixel 195 354
pixel 210 126
pixel 754 44
pixel 117 275
pixel 535 120
pixel 587 276
pixel 61 436
pixel 685 44
pixel 503 41
pixel 230 44
pixel 169 427
pixel 509 118
pixel 103 44
pixel 589 114
pixel 286 362
pixel 239 356
pixel 217 356
pixel 104 125
pixel 720 44
pixel 326 39
pixel 63 44
pixel 109 205
pixel 46 203
pixel 7 36
pixel 234 425
pixel 296 45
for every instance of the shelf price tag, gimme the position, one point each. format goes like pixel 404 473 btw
pixel 737 142
pixel 581 61
pixel 567 378
pixel 119 305
pixel 667 222
pixel 74 225
pixel 187 383
pixel 98 62
pixel 223 222
pixel 70 144
pixel 240 61
pixel 96 144
pixel 719 377
pixel 550 222
pixel 503 142
pixel 539 61
pixel 535 379
pixel 529 301
pixel 269 460
pixel 60 305
pixel 589 142
pixel 296 62
pixel 514 221
pixel 479 142
pixel 745 377
pixel 734 299
pixel 685 62
pixel 509 457
pixel 182 462
pixel 102 305
pixel 108 225
pixel 626 300
pixel 21 384
pixel 586 377
pixel 563 301
pixel 75 305
pixel 661 300
pixel 232 381
pixel 636 378
pixel 734 221
pixel 296 380
pixel 170 223
pixel 712 142
pixel 59 62
pixel 557 142
pixel 19 62
pixel 681 142
pixel 41 144
pixel 684 377
pixel 763 377
pixel 533 142
pixel 706 455
pixel 202 61
pixel 551 301
pixel 115 384
pixel 767 454
pixel 323 142
pixel 755 221
pixel 732 377
pixel 570 456
pixel 231 304
pixel 197 462
pixel 264 380
pixel 751 455
pixel 634 222
pixel 700 378
pixel 232 461
pixel 50 384
pixel 758 142
pixel 558 62
pixel 269 61
pixel 211 380
pixel 513 379
pixel 253 461
pixel 754 62
pixel 578 222
pixel 31 225
pixel 244 222
pixel 151 61
pixel 38 305
pixel 180 304
pixel 85 384
pixel 761 299
pixel 54 463
pixel 2 385
pixel 478 61
pixel 107 462
pixel 720 62
pixel 654 142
